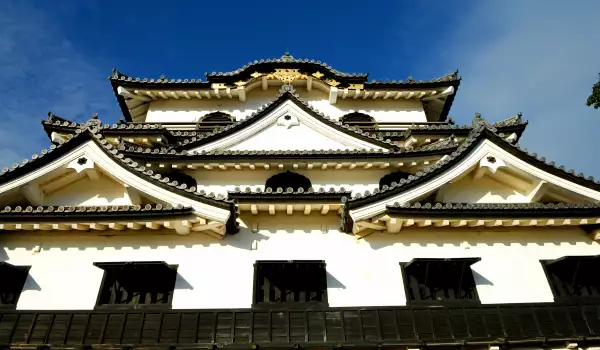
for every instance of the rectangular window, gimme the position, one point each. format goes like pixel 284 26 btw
pixel 12 282
pixel 137 283
pixel 573 276
pixel 440 280
pixel 290 282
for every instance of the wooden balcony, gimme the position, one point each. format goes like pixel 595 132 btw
pixel 516 325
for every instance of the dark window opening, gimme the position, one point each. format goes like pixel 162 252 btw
pixel 288 179
pixel 137 283
pixel 392 177
pixel 12 282
pixel 359 120
pixel 440 280
pixel 214 121
pixel 573 276
pixel 287 282
pixel 181 178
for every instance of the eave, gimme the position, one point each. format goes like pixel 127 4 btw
pixel 289 201
pixel 101 218
pixel 167 155
pixel 495 215
pixel 237 84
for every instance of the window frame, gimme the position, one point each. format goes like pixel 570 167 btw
pixel 445 302
pixel 22 269
pixel 103 284
pixel 306 305
pixel 567 299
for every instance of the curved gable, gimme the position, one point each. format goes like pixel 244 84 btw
pixel 287 104
pixel 483 148
pixel 88 144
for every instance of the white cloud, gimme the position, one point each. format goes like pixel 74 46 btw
pixel 540 58
pixel 41 71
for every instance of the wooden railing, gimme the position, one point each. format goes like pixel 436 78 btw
pixel 326 327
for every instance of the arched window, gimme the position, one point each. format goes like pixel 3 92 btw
pixel 359 120
pixel 392 177
pixel 214 120
pixel 181 178
pixel 288 179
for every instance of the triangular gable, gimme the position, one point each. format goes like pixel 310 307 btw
pixel 332 132
pixel 88 150
pixel 483 149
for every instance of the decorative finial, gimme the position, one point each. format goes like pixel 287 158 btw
pixel 94 120
pixel 287 57
pixel 287 87
pixel 451 121
pixel 115 73
pixel 162 77
pixel 478 119
pixel 50 115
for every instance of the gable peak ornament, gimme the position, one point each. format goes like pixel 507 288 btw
pixel 287 121
pixel 287 57
pixel 478 120
pixel 287 88
pixel 94 120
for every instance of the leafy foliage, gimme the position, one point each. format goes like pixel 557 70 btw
pixel 594 99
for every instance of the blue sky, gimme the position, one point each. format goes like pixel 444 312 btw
pixel 536 57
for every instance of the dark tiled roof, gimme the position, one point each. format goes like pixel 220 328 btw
pixel 73 213
pixel 447 143
pixel 305 66
pixel 483 210
pixel 511 121
pixel 170 154
pixel 511 124
pixel 270 194
pixel 56 123
pixel 282 61
pixel 268 65
pixel 262 111
pixel 91 132
pixel 453 78
pixel 480 131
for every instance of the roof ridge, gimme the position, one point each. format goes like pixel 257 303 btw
pixel 286 58
pixel 450 77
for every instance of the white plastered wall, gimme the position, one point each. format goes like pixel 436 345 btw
pixel 483 190
pixel 219 274
pixel 297 138
pixel 188 111
pixel 85 191
pixel 219 181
